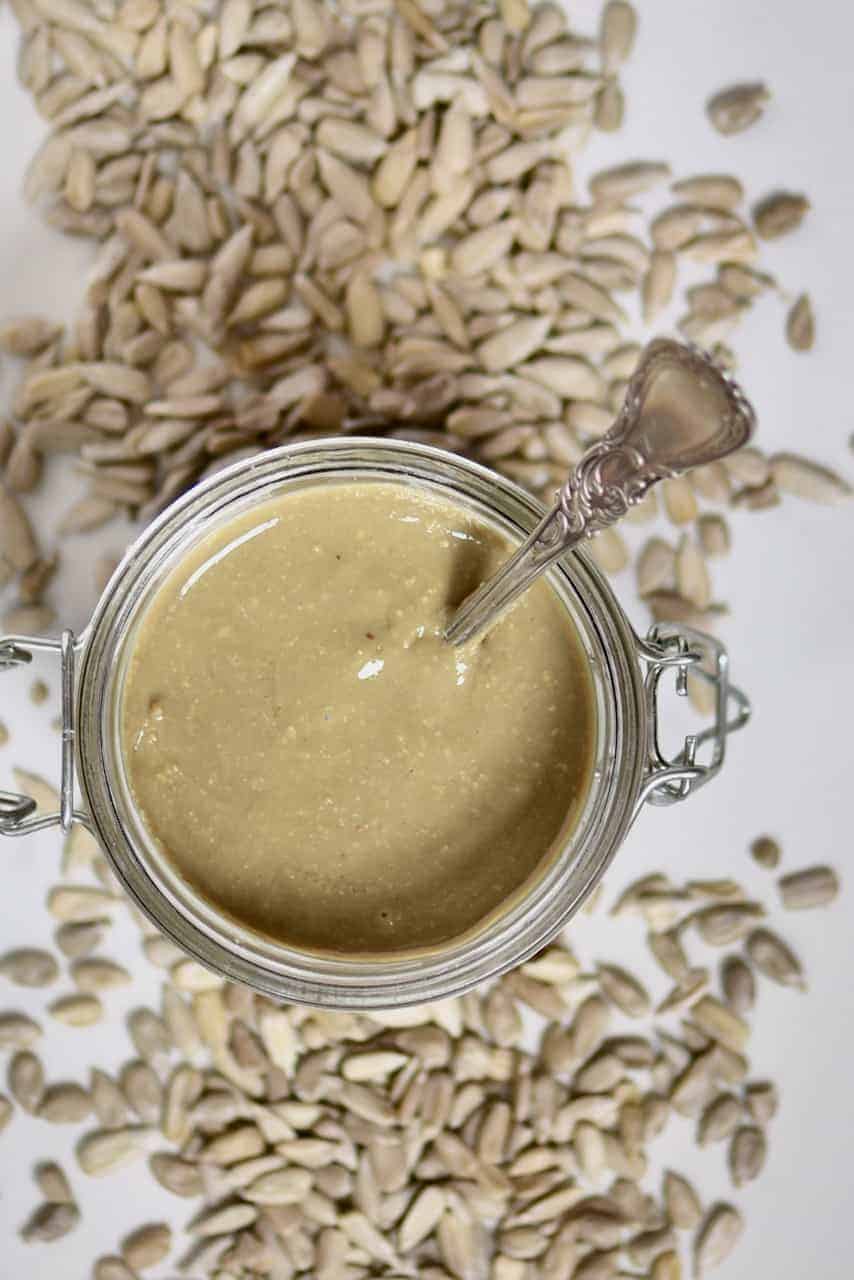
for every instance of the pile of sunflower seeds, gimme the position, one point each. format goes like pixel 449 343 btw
pixel 431 1141
pixel 359 218
pixel 363 217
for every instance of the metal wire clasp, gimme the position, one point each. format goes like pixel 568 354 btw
pixel 17 811
pixel 670 647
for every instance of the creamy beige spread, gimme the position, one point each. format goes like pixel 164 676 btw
pixel 314 758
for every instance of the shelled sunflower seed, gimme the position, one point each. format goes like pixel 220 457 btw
pixel 738 985
pixel 147 1246
pixel 53 1183
pixel 766 852
pixel 29 967
pixel 64 1103
pixel 717 1237
pixel 746 1155
pixel 366 220
pixel 50 1221
pixel 812 887
pixel 735 109
pixel 39 693
pixel 800 324
pixel 79 1010
pixel 26 1080
pixel 779 213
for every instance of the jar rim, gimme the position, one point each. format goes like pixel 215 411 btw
pixel 218 941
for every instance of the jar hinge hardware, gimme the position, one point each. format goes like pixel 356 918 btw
pixel 18 815
pixel 670 647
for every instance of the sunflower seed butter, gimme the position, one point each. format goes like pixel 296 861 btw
pixel 316 760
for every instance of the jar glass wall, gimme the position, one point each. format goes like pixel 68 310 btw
pixel 220 942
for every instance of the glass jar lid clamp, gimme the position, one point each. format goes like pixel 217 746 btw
pixel 18 814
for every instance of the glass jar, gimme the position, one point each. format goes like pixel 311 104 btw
pixel 630 766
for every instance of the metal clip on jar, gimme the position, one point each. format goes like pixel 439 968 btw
pixel 630 769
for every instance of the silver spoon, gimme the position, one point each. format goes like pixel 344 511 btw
pixel 680 412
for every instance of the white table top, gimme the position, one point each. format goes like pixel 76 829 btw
pixel 791 589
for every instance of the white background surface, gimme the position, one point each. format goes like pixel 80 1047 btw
pixel 790 585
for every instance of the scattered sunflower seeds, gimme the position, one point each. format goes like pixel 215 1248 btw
pixel 111 1267
pixel 52 1183
pixel 102 1151
pixel 800 324
pixel 51 1221
pixel 775 959
pixel 26 1080
pixel 738 985
pixel 18 1030
pixel 147 1246
pixel 716 1237
pixel 714 534
pixel 727 923
pixel 80 939
pixel 779 213
pixel 735 109
pixel 746 1155
pixel 617 31
pixel 29 967
pixel 32 784
pixel 79 903
pixel 719 1119
pixel 766 851
pixel 77 1010
pixel 39 693
pixel 681 1201
pixel 624 990
pixel 800 476
pixel 762 1102
pixel 720 1023
pixel 97 974
pixel 710 191
pixel 812 887
pixel 65 1103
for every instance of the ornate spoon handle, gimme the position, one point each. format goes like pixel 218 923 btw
pixel 680 412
